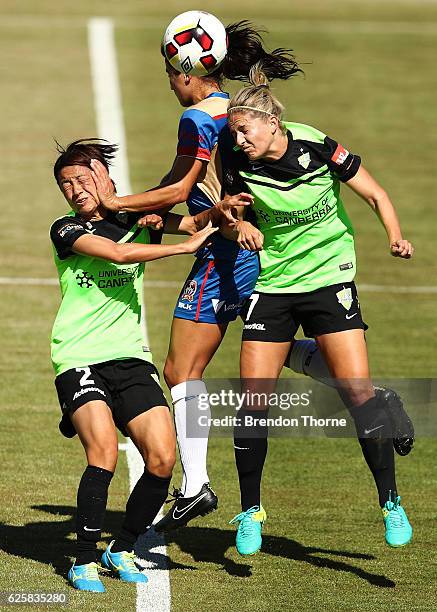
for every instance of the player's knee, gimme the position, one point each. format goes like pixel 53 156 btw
pixel 169 373
pixel 103 456
pixel 161 463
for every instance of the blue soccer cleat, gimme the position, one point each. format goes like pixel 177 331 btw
pixel 249 540
pixel 85 578
pixel 398 531
pixel 123 564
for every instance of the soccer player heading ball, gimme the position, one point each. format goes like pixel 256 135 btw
pixel 294 172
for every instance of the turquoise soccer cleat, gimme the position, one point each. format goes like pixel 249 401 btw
pixel 398 531
pixel 248 539
pixel 85 578
pixel 123 564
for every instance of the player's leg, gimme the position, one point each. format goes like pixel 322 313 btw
pixel 141 412
pixel 95 427
pixel 267 337
pixel 86 400
pixel 213 296
pixel 342 342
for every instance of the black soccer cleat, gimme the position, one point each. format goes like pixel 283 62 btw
pixel 186 508
pixel 402 426
pixel 66 427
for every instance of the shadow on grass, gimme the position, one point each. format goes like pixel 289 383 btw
pixel 210 545
pixel 53 543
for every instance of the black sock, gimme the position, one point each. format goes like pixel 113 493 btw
pixel 372 420
pixel 250 447
pixel 92 496
pixel 143 505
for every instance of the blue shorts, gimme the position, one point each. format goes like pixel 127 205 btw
pixel 217 289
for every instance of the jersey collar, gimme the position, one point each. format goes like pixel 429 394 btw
pixel 218 94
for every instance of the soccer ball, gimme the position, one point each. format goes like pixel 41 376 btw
pixel 195 43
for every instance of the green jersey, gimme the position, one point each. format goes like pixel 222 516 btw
pixel 308 237
pixel 101 313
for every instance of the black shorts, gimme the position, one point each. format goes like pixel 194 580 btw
pixel 276 317
pixel 128 386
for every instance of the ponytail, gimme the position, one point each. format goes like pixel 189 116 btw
pixel 245 48
pixel 257 99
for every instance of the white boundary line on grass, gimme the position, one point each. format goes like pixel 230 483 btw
pixel 107 99
pixel 156 284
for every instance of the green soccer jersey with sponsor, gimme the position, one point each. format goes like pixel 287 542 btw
pixel 101 314
pixel 308 237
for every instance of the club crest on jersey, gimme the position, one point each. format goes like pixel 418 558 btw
pixel 345 298
pixel 304 160
pixel 189 291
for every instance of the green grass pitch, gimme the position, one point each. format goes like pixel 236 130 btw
pixel 369 83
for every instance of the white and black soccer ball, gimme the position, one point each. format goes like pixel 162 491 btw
pixel 195 43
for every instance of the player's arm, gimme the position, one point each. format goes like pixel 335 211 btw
pixel 377 198
pixel 103 248
pixel 69 236
pixel 186 171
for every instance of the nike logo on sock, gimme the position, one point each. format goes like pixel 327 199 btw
pixel 367 431
pixel 178 514
pixel 241 447
pixel 89 529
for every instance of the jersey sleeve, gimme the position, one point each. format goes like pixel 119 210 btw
pixel 231 159
pixel 64 233
pixel 197 135
pixel 340 161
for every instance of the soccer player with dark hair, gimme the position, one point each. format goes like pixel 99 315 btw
pixel 294 172
pixel 224 275
pixel 105 377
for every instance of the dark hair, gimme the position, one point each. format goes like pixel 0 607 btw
pixel 245 49
pixel 81 152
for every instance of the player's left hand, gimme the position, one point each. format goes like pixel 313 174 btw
pixel 151 220
pixel 105 186
pixel 402 248
pixel 249 237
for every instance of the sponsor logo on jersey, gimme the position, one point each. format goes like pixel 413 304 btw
pixel 304 160
pixel 263 215
pixel 189 290
pixel 87 390
pixel 257 326
pixel 346 266
pixel 340 155
pixel 345 298
pixel 68 228
pixel 219 304
pixel 116 278
pixel 84 279
pixel 185 306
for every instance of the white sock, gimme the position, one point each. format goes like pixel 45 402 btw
pixel 306 358
pixel 192 451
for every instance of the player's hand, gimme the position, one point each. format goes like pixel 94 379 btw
pixel 199 239
pixel 228 204
pixel 249 237
pixel 402 248
pixel 105 186
pixel 151 220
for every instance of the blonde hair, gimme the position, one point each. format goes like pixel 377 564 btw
pixel 257 98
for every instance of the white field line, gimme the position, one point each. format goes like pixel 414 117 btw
pixel 143 22
pixel 156 594
pixel 156 284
